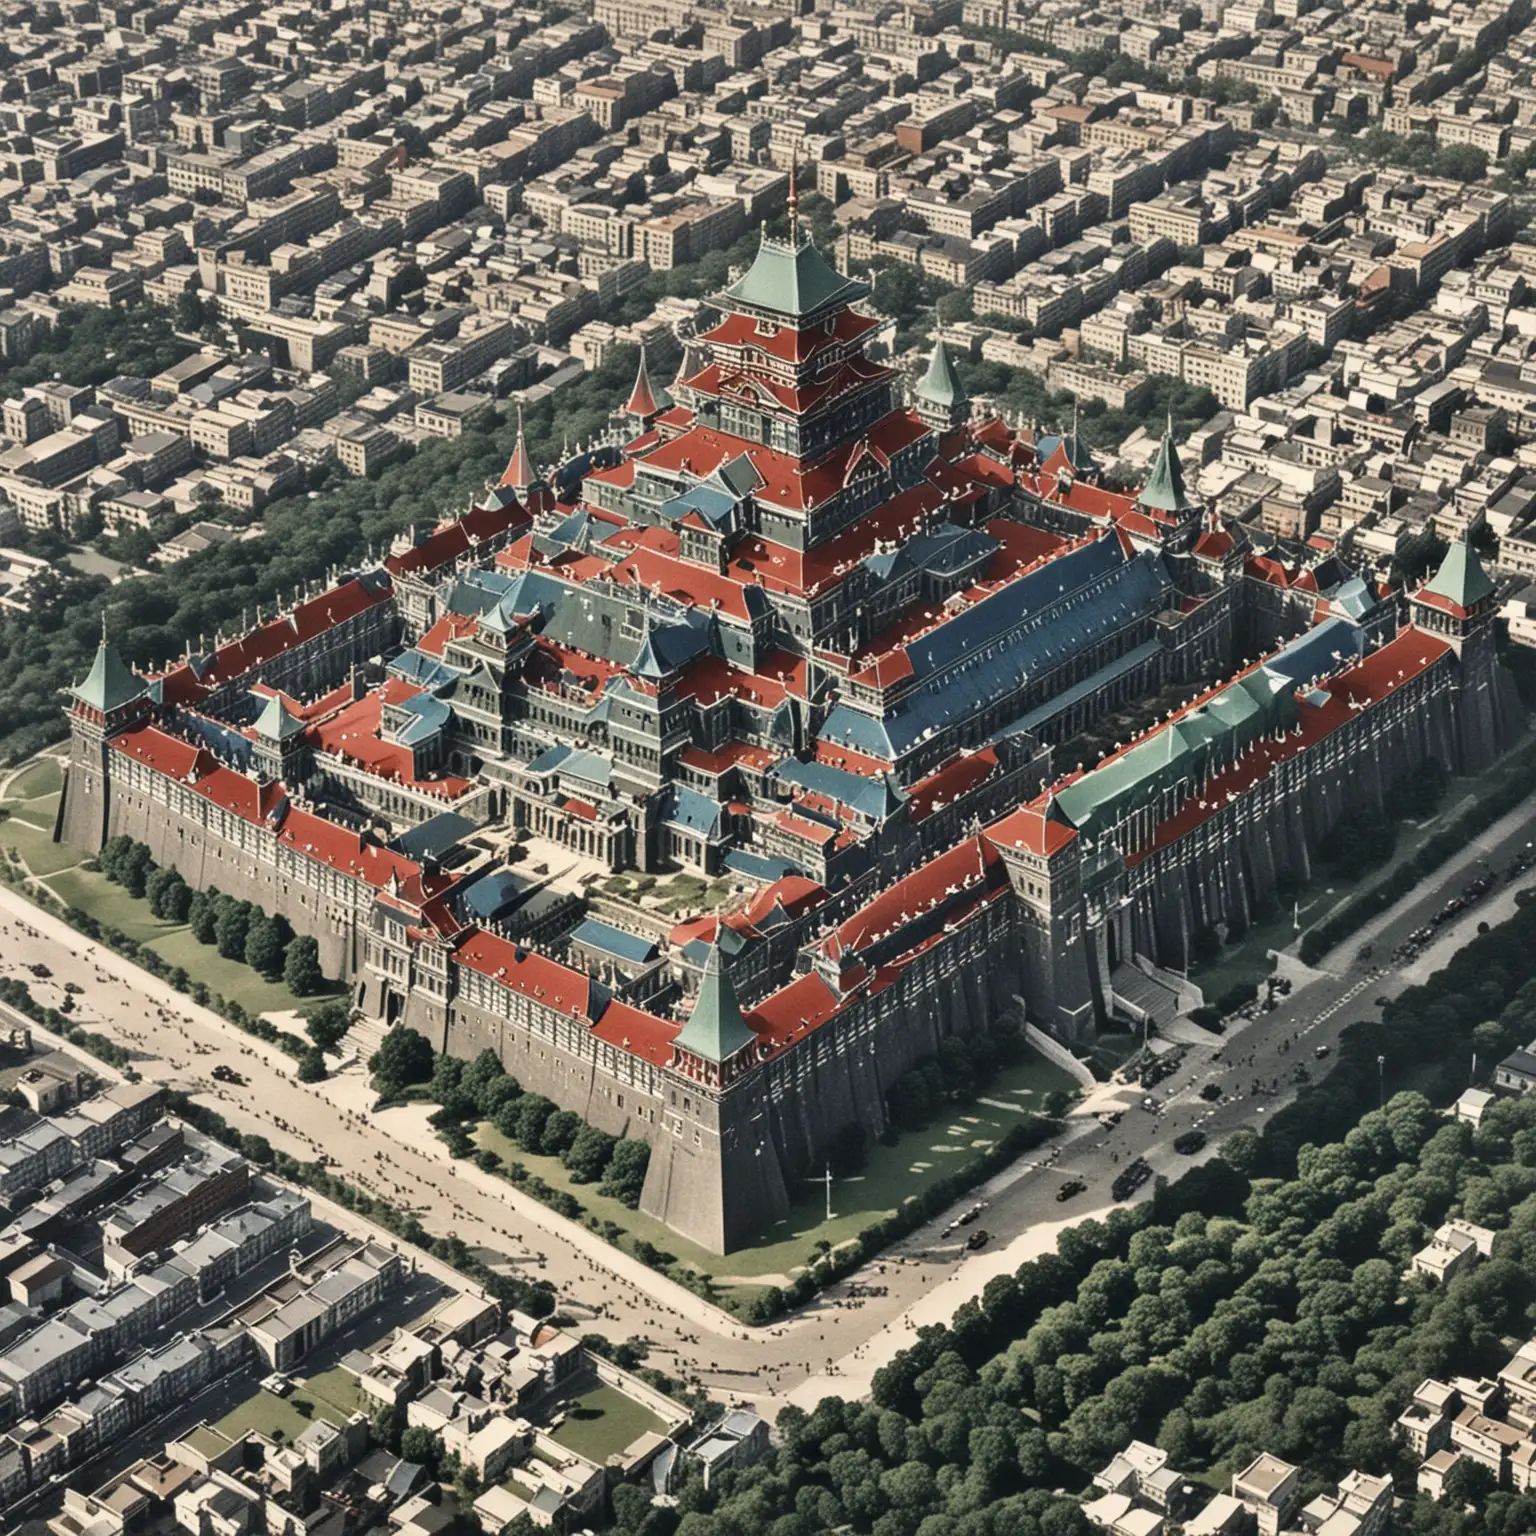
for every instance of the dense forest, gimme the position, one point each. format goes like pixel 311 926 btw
pixel 1259 1304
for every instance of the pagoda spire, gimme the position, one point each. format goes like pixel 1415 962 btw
pixel 794 197
pixel 1165 490
pixel 518 475
pixel 642 402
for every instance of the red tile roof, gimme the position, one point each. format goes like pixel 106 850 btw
pixel 536 976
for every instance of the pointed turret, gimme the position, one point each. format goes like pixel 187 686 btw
pixel 941 399
pixel 1164 490
pixel 642 402
pixel 111 684
pixel 716 1029
pixel 1461 583
pixel 518 475
pixel 275 723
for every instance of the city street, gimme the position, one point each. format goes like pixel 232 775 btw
pixel 838 1342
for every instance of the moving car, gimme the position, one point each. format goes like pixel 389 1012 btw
pixel 1070 1188
pixel 1189 1143
pixel 1322 1050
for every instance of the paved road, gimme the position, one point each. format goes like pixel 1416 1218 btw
pixel 836 1343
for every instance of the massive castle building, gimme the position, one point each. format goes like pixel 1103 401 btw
pixel 795 631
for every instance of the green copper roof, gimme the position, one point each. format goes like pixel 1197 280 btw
pixel 110 683
pixel 793 279
pixel 941 384
pixel 715 1029
pixel 1164 489
pixel 274 723
pixel 1461 578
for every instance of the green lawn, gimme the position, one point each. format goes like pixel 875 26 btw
pixel 600 1421
pixel 36 845
pixel 336 1396
pixel 45 776
pixel 894 1174
pixel 265 1413
pixel 108 903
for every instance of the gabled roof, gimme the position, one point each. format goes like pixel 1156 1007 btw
pixel 793 278
pixel 715 1030
pixel 111 682
pixel 1461 579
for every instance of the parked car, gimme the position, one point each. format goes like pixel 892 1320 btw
pixel 1189 1143
pixel 970 1216
pixel 1070 1188
pixel 977 1239
pixel 1131 1178
pixel 1322 1051
pixel 73 988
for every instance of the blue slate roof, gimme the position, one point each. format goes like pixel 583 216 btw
pixel 875 798
pixel 433 837
pixel 614 941
pixel 220 739
pixel 1032 625
pixel 418 667
pixel 687 808
pixel 497 893
pixel 713 505
pixel 574 763
pixel 761 866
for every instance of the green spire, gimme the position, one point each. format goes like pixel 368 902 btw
pixel 793 279
pixel 1164 489
pixel 941 384
pixel 1461 578
pixel 274 723
pixel 715 1030
pixel 111 682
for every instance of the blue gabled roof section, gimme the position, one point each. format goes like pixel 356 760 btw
pixel 432 838
pixel 607 939
pixel 574 763
pixel 432 717
pixel 417 667
pixel 761 866
pixel 1025 629
pixel 875 798
pixel 226 744
pixel 688 809
pixel 497 894
pixel 713 505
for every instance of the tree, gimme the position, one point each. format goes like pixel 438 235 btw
pixel 264 947
pixel 404 1058
pixel 161 890
pixel 327 1024
pixel 532 1116
pixel 560 1133
pixel 301 967
pixel 588 1154
pixel 231 927
pixel 625 1177
pixel 423 1446
pixel 311 1067
pixel 202 916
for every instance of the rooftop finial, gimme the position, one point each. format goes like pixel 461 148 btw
pixel 794 197
pixel 103 626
